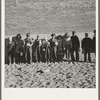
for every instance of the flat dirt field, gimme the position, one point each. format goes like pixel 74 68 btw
pixel 44 17
pixel 51 75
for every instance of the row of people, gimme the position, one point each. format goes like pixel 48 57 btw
pixel 52 50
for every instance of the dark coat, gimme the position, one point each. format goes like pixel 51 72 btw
pixel 75 42
pixel 53 50
pixel 60 47
pixel 6 51
pixel 87 44
pixel 94 44
pixel 60 52
pixel 67 43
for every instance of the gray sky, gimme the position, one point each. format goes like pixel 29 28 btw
pixel 49 16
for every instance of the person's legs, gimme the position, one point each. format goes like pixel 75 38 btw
pixel 9 58
pixel 30 52
pixel 43 56
pixel 72 55
pixel 39 55
pixel 52 54
pixel 89 56
pixel 66 54
pixel 17 58
pixel 48 55
pixel 36 54
pixel 85 56
pixel 55 54
pixel 26 53
pixel 69 55
pixel 77 55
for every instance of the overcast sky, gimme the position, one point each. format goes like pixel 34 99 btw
pixel 49 16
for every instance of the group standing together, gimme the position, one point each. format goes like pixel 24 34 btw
pixel 49 50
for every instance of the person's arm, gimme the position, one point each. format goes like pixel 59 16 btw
pixel 70 44
pixel 78 42
pixel 82 46
pixel 91 43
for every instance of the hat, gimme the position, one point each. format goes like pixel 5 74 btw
pixel 73 32
pixel 59 36
pixel 86 34
pixel 52 34
pixel 28 34
pixel 19 35
pixel 66 33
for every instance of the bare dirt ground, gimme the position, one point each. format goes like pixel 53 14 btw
pixel 51 75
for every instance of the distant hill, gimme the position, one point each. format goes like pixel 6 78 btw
pixel 49 16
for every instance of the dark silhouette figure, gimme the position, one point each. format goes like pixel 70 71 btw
pixel 86 47
pixel 60 52
pixel 75 47
pixel 94 42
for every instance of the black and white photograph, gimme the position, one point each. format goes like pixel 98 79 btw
pixel 50 44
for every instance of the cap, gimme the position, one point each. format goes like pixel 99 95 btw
pixel 28 34
pixel 73 32
pixel 52 34
pixel 86 33
pixel 18 35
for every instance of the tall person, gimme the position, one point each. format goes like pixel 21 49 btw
pixel 53 48
pixel 67 45
pixel 45 50
pixel 38 44
pixel 86 47
pixel 28 48
pixel 75 46
pixel 17 48
pixel 60 52
pixel 94 42
pixel 9 51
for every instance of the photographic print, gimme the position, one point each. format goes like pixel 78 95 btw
pixel 50 44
